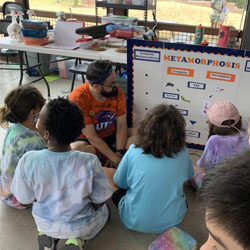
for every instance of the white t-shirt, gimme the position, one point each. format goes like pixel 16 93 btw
pixel 218 4
pixel 64 185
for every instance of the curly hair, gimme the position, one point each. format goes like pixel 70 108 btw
pixel 18 104
pixel 225 193
pixel 214 130
pixel 161 131
pixel 96 70
pixel 64 120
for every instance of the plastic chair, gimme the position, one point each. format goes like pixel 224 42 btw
pixel 81 69
pixel 9 6
pixel 4 23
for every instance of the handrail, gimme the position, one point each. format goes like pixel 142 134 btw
pixel 161 25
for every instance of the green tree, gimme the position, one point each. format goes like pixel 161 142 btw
pixel 239 3
pixel 76 2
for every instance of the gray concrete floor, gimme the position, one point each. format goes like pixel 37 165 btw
pixel 18 230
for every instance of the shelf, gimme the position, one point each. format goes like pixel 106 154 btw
pixel 124 6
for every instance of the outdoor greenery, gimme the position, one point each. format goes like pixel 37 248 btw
pixel 238 3
pixel 167 10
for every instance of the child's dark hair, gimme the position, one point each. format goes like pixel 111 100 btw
pixel 97 70
pixel 224 131
pixel 18 104
pixel 64 120
pixel 161 131
pixel 225 193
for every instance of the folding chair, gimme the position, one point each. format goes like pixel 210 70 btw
pixel 4 23
pixel 9 6
pixel 81 69
pixel 6 53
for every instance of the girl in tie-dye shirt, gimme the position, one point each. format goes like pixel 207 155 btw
pixel 21 108
pixel 227 136
pixel 68 188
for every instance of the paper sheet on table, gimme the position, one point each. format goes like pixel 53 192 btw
pixel 65 36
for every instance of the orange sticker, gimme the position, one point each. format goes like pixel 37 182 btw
pixel 180 71
pixel 220 76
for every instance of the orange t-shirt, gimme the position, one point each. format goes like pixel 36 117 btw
pixel 101 114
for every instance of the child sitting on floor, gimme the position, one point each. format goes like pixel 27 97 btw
pixel 152 173
pixel 224 194
pixel 68 188
pixel 21 108
pixel 226 137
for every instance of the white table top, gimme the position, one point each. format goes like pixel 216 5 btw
pixel 108 54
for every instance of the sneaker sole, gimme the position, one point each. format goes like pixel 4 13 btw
pixel 45 242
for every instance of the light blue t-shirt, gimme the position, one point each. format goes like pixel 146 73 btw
pixel 155 200
pixel 64 185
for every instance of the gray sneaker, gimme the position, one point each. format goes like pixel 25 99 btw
pixel 46 242
pixel 74 244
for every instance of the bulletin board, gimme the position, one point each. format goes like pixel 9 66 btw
pixel 189 77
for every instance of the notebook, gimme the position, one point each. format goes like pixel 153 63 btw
pixel 65 36
pixel 174 239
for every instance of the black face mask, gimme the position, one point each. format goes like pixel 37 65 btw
pixel 113 93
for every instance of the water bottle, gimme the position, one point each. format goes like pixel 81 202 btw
pixel 61 16
pixel 224 32
pixel 198 34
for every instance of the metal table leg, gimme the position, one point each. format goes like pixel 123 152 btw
pixel 42 75
pixel 20 55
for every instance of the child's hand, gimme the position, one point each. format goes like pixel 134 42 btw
pixel 113 163
pixel 198 170
pixel 109 164
pixel 117 159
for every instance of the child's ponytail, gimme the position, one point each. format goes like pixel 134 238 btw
pixel 18 104
pixel 4 111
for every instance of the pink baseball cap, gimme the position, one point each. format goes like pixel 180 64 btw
pixel 223 111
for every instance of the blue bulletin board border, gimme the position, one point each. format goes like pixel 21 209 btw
pixel 131 43
pixel 130 69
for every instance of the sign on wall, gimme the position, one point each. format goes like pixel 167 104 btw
pixel 189 77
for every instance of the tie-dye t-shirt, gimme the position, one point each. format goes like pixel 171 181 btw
pixel 17 142
pixel 63 186
pixel 219 147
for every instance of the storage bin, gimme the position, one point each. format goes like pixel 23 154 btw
pixel 34 33
pixel 139 31
pixel 34 24
pixel 35 41
pixel 64 67
pixel 45 67
pixel 120 20
pixel 122 33
pixel 85 43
